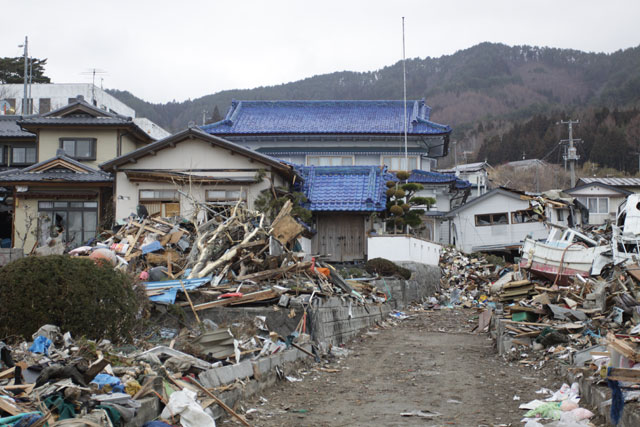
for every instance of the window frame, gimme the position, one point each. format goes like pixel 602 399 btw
pixel 492 222
pixel 527 213
pixel 400 158
pixel 330 157
pixel 26 161
pixel 160 198
pixel 93 147
pixel 53 210
pixel 597 204
pixel 227 199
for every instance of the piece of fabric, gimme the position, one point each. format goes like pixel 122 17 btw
pixel 184 403
pixel 617 400
pixel 104 379
pixel 56 402
pixel 40 345
pixel 113 413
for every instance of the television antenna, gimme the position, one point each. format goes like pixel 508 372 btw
pixel 93 72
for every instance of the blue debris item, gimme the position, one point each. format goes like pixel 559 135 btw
pixel 21 420
pixel 40 345
pixel 105 379
pixel 156 424
pixel 151 247
pixel 323 117
pixel 617 399
pixel 169 288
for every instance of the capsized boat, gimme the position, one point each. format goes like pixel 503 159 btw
pixel 565 253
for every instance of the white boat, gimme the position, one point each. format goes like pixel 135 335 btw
pixel 565 253
pixel 568 252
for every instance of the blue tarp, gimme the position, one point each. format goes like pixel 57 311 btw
pixel 40 345
pixel 170 288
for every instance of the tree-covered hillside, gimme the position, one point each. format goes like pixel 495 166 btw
pixel 482 92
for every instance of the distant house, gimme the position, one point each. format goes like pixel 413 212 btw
pixel 181 174
pixel 343 200
pixel 602 199
pixel 500 220
pixel 47 97
pixel 62 193
pixel 477 174
pixel 337 133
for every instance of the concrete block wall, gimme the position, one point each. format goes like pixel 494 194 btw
pixel 335 321
pixel 424 283
pixel 9 254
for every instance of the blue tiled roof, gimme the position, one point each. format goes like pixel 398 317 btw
pixel 327 117
pixel 344 188
pixel 427 177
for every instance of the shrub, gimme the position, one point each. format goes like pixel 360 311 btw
pixel 75 294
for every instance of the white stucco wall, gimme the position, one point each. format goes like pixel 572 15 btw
pixel 470 238
pixel 403 248
pixel 189 154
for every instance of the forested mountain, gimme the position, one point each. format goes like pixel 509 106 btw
pixel 483 92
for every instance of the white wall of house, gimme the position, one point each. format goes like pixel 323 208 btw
pixel 598 195
pixel 470 237
pixel 403 249
pixel 189 154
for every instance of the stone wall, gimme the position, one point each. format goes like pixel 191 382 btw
pixel 424 283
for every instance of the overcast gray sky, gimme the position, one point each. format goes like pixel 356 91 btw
pixel 163 50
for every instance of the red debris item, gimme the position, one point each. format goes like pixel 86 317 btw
pixel 231 295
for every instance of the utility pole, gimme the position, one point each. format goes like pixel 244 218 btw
pixel 24 99
pixel 204 117
pixel 404 83
pixel 30 83
pixel 572 152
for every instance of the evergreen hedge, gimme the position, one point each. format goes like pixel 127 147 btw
pixel 75 294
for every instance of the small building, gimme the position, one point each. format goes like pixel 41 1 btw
pixel 500 220
pixel 337 133
pixel 602 199
pixel 343 200
pixel 190 173
pixel 477 174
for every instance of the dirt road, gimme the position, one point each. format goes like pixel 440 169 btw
pixel 430 363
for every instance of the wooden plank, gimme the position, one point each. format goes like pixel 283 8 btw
pixel 8 373
pixel 195 313
pixel 9 408
pixel 626 349
pixel 623 374
pixel 255 296
pixel 135 239
pixel 516 284
pixel 148 228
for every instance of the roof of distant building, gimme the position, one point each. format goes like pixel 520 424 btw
pixel 526 163
pixel 614 182
pixel 9 128
pixel 468 167
pixel 344 188
pixel 327 117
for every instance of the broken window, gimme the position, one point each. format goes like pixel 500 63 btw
pixel 524 216
pixel 492 219
pixel 74 222
pixel 165 203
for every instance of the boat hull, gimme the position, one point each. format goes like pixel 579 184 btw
pixel 560 264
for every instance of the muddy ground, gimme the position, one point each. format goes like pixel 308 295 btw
pixel 431 362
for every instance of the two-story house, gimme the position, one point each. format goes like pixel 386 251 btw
pixel 63 193
pixel 337 133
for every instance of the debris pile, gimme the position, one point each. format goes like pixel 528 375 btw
pixel 54 377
